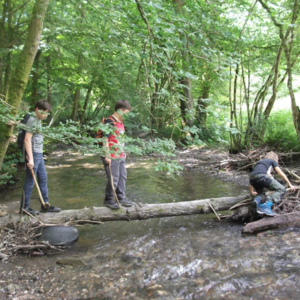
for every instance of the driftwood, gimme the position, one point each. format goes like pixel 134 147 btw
pixel 246 161
pixel 136 212
pixel 280 221
pixel 21 237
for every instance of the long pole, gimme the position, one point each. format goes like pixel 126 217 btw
pixel 39 191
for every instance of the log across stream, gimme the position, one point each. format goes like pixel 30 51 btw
pixel 136 212
pixel 96 215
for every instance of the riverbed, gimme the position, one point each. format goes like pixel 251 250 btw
pixel 192 257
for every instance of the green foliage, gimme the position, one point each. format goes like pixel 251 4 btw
pixel 9 169
pixel 110 50
pixel 280 133
pixel 170 167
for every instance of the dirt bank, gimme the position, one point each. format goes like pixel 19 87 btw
pixel 208 161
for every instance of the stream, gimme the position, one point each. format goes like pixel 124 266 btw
pixel 188 257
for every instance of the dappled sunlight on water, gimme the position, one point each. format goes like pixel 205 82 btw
pixel 59 166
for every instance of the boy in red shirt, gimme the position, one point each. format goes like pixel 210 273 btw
pixel 114 160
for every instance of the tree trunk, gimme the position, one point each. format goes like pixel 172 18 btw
pixel 236 137
pixel 35 78
pixel 2 43
pixel 87 98
pixel 154 100
pixel 137 212
pixel 234 146
pixel 286 38
pixel 76 99
pixel 21 73
pixel 288 55
pixel 48 68
pixel 9 39
pixel 186 103
pixel 202 106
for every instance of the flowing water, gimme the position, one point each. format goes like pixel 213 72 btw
pixel 189 257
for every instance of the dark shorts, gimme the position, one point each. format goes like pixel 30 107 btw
pixel 260 181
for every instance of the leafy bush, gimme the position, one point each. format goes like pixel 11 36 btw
pixel 9 170
pixel 280 132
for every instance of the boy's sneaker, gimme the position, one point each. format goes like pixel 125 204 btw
pixel 256 202
pixel 111 204
pixel 28 210
pixel 266 209
pixel 49 209
pixel 125 202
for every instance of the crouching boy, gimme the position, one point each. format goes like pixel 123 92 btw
pixel 261 178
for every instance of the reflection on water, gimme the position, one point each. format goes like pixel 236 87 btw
pixel 76 181
pixel 189 257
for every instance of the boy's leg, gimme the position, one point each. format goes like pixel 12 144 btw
pixel 42 177
pixel 29 184
pixel 43 185
pixel 121 187
pixel 279 190
pixel 259 182
pixel 113 172
pixel 261 203
pixel 27 190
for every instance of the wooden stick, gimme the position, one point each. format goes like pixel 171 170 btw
pixel 39 191
pixel 244 202
pixel 214 211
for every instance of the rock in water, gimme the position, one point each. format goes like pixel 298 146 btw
pixel 59 235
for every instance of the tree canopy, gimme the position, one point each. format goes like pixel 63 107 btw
pixel 194 71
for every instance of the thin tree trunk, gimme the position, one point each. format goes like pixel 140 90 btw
pixel 21 73
pixel 48 67
pixel 76 99
pixel 236 136
pixel 86 102
pixel 154 100
pixel 186 103
pixel 295 108
pixel 202 106
pixel 287 38
pixel 35 78
pixel 9 39
pixel 2 43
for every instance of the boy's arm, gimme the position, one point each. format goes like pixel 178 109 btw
pixel 251 189
pixel 283 176
pixel 28 149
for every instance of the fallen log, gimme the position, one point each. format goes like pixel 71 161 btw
pixel 136 212
pixel 280 221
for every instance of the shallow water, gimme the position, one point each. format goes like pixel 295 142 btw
pixel 189 257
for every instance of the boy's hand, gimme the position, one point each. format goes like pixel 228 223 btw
pixel 108 161
pixel 11 123
pixel 30 164
pixel 254 193
pixel 292 188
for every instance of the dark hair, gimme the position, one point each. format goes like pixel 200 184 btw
pixel 43 105
pixel 122 104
